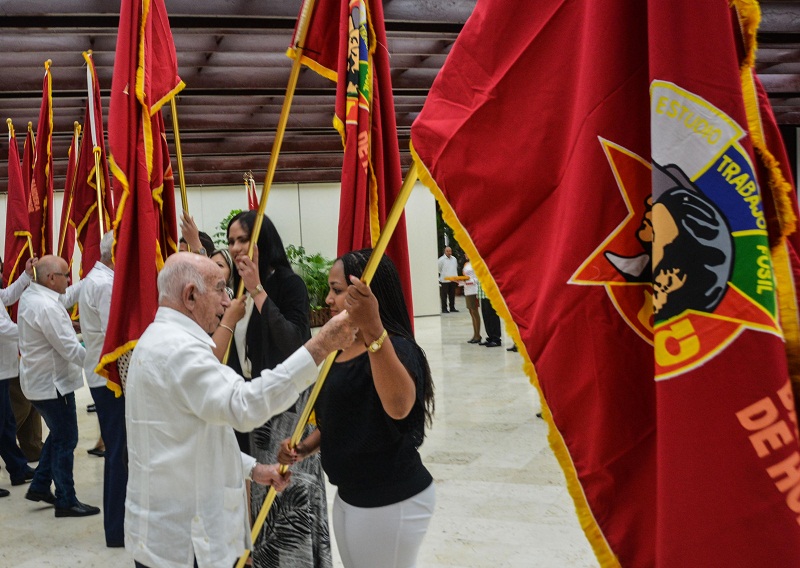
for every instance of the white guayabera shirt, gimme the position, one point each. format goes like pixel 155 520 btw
pixel 186 496
pixel 50 355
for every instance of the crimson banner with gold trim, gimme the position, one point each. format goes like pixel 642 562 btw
pixel 608 172
pixel 145 78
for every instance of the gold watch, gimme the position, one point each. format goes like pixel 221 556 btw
pixel 257 291
pixel 376 345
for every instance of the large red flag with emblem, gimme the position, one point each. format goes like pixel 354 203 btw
pixel 17 251
pixel 40 204
pixel 86 214
pixel 66 231
pixel 138 165
pixel 346 42
pixel 597 159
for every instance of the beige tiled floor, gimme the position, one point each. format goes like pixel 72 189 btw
pixel 501 499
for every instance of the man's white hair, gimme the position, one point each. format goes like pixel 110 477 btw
pixel 174 277
pixel 105 247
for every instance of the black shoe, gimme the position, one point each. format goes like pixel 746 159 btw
pixel 91 408
pixel 453 310
pixel 513 349
pixel 4 492
pixel 48 497
pixel 28 475
pixel 492 344
pixel 99 452
pixel 474 340
pixel 77 510
pixel 445 312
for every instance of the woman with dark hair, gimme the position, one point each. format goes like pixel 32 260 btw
pixel 275 324
pixel 372 413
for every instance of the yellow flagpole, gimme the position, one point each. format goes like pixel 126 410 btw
pixel 369 271
pixel 76 133
pixel 100 204
pixel 302 30
pixel 176 131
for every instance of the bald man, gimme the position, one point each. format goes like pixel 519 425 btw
pixel 50 372
pixel 186 495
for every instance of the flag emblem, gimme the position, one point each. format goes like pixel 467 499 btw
pixel 689 267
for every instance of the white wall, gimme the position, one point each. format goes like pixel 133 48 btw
pixel 308 215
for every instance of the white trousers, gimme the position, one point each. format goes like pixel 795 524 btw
pixel 383 537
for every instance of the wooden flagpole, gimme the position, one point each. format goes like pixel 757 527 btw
pixel 302 30
pixel 369 271
pixel 179 154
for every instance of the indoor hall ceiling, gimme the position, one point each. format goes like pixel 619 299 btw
pixel 231 55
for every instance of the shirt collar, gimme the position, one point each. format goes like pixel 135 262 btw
pixel 171 316
pixel 44 290
pixel 102 268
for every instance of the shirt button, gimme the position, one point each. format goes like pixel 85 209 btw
pixel 206 539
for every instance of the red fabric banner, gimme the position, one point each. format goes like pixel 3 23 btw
pixel 28 158
pixel 16 252
pixel 365 117
pixel 85 212
pixel 605 187
pixel 66 231
pixel 40 204
pixel 252 195
pixel 141 173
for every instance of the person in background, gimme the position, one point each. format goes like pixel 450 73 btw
pixel 471 297
pixel 372 412
pixel 94 306
pixel 491 321
pixel 186 496
pixel 15 460
pixel 50 372
pixel 276 323
pixel 448 268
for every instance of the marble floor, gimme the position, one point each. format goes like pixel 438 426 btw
pixel 501 497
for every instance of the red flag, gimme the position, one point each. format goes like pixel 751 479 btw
pixel 607 197
pixel 66 231
pixel 17 251
pixel 28 158
pixel 86 216
pixel 365 117
pixel 40 204
pixel 139 167
pixel 252 195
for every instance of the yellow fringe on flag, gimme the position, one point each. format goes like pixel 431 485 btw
pixel 749 15
pixel 588 523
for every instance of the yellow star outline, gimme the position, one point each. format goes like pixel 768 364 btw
pixel 634 180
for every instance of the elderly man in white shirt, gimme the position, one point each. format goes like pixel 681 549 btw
pixel 50 372
pixel 15 460
pixel 95 305
pixel 448 268
pixel 186 493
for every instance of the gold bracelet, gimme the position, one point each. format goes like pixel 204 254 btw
pixel 226 327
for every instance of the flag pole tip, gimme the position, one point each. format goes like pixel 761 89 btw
pixel 8 121
pixel 30 124
pixel 48 63
pixel 76 124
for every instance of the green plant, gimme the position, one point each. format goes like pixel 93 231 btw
pixel 313 269
pixel 221 235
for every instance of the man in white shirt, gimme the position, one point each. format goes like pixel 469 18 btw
pixel 50 372
pixel 448 267
pixel 94 305
pixel 186 493
pixel 15 460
